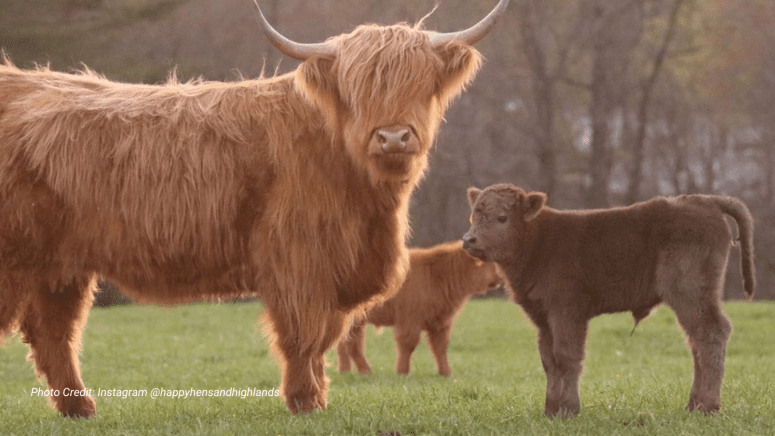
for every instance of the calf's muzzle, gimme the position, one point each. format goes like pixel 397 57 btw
pixel 469 241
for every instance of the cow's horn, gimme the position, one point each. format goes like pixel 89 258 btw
pixel 473 34
pixel 293 49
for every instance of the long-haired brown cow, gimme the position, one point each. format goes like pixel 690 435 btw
pixel 565 267
pixel 440 281
pixel 293 188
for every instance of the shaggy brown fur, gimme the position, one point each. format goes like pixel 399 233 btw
pixel 440 281
pixel 565 267
pixel 187 191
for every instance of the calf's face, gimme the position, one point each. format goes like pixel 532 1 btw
pixel 490 274
pixel 484 275
pixel 500 218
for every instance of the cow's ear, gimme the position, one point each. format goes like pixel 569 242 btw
pixel 473 194
pixel 316 79
pixel 460 64
pixel 532 204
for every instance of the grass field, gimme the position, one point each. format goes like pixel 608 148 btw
pixel 635 384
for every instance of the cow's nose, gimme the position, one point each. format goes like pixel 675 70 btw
pixel 393 141
pixel 468 240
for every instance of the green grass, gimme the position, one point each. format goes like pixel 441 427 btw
pixel 635 384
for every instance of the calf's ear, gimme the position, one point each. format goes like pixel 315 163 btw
pixel 473 194
pixel 532 205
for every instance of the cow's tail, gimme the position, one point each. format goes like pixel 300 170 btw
pixel 738 210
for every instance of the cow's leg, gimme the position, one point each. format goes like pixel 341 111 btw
pixel 300 348
pixel 52 326
pixel 318 362
pixel 357 344
pixel 294 353
pixel 332 330
pixel 568 337
pixel 14 297
pixel 553 381
pixel 407 339
pixel 438 339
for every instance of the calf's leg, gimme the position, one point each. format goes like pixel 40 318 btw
pixel 438 339
pixel 343 354
pixel 407 339
pixel 568 338
pixel 553 380
pixel 352 349
pixel 692 288
pixel 357 346
pixel 707 330
pixel 52 327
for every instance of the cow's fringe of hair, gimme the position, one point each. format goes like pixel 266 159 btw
pixel 401 66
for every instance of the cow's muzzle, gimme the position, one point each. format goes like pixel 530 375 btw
pixel 394 140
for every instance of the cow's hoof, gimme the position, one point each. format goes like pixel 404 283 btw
pixel 298 404
pixel 79 407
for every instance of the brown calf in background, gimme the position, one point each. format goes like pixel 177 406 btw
pixel 566 267
pixel 441 279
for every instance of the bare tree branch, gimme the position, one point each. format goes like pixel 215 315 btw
pixel 636 169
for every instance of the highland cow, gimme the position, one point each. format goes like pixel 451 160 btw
pixel 440 281
pixel 293 188
pixel 566 267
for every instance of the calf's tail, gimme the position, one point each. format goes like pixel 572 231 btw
pixel 738 210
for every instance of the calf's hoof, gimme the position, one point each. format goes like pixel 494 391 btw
pixel 707 407
pixel 561 412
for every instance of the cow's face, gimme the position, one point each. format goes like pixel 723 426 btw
pixel 383 93
pixel 383 89
pixel 501 216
